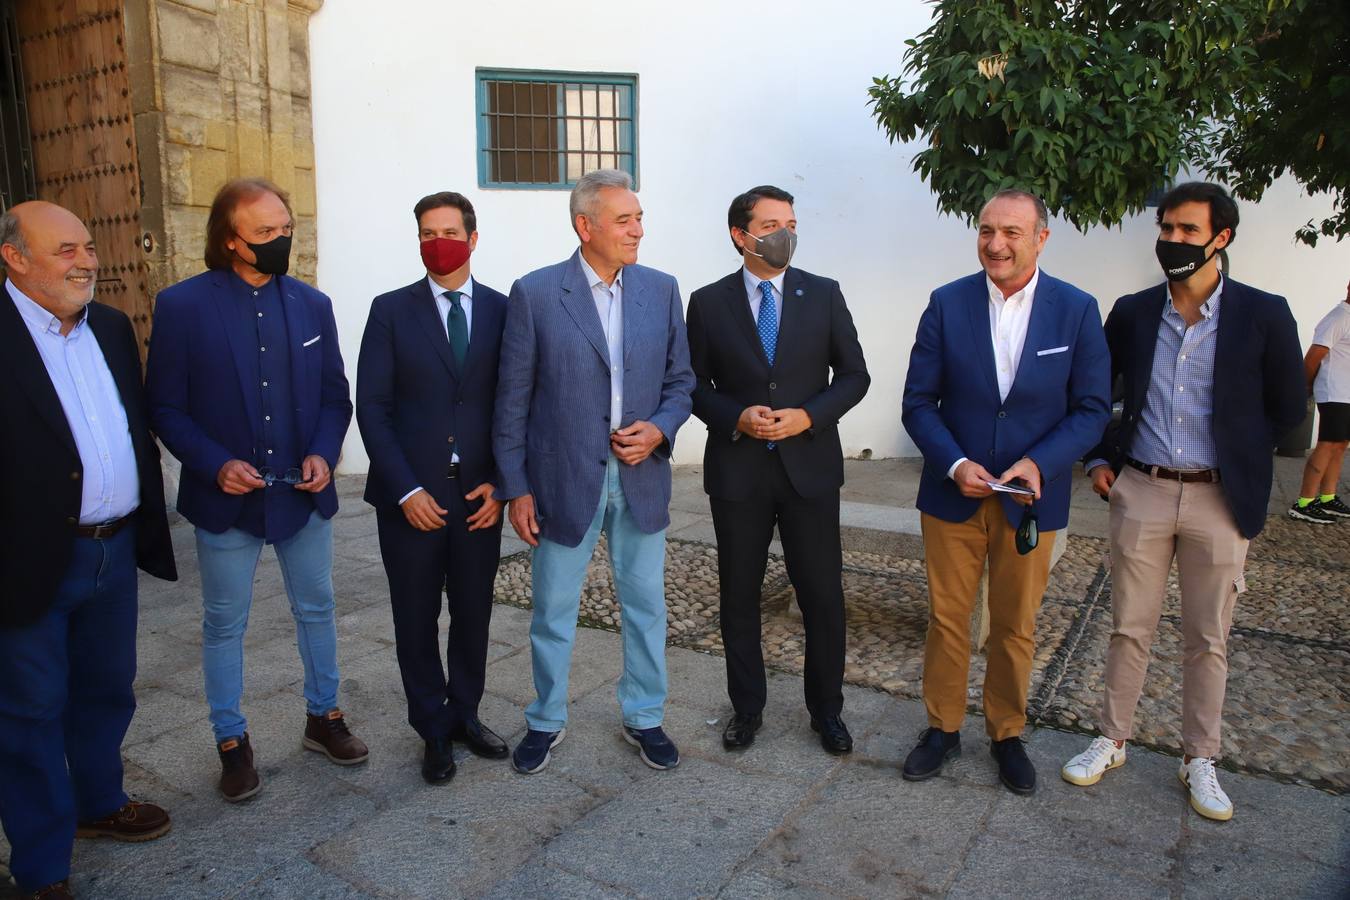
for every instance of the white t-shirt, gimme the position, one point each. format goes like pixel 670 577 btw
pixel 1332 384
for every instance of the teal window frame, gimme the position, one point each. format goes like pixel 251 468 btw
pixel 622 125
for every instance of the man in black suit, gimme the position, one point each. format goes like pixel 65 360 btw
pixel 81 509
pixel 773 455
pixel 425 385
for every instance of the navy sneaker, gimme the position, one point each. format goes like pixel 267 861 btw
pixel 656 750
pixel 532 752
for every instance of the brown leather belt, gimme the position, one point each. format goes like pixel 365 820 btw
pixel 106 530
pixel 1186 476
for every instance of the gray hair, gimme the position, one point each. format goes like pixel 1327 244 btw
pixel 1042 214
pixel 12 234
pixel 588 188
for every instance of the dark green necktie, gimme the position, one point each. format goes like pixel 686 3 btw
pixel 457 325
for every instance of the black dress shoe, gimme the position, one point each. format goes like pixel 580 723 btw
pixel 935 748
pixel 740 731
pixel 834 736
pixel 438 761
pixel 1014 768
pixel 481 739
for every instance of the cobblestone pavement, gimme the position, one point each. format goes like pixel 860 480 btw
pixel 780 820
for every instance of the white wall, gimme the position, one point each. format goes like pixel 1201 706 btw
pixel 726 99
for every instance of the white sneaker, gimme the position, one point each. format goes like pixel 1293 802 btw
pixel 1207 798
pixel 1089 766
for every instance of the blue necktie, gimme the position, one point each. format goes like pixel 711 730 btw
pixel 768 326
pixel 456 323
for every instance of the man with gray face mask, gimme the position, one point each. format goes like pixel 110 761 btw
pixel 773 456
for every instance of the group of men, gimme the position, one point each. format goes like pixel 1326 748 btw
pixel 560 406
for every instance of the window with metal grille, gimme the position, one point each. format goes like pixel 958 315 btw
pixel 545 130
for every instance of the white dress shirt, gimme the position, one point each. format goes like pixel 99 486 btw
pixel 609 307
pixel 442 297
pixel 753 293
pixel 1008 321
pixel 111 486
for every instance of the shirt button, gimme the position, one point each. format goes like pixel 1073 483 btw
pixel 773 386
pixel 255 293
pixel 260 315
pixel 264 384
pixel 74 476
pixel 1181 387
pixel 1183 356
pixel 269 418
pixel 269 452
pixel 1178 418
pixel 262 349
pixel 1002 414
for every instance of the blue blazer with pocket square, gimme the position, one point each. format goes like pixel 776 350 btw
pixel 205 414
pixel 551 425
pixel 1057 408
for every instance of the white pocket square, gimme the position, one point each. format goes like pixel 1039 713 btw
pixel 313 340
pixel 1051 351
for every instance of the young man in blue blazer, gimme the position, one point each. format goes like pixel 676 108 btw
pixel 246 389
pixel 1008 383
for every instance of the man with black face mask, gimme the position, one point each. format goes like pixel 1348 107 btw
pixel 425 387
pixel 1213 378
pixel 772 396
pixel 246 389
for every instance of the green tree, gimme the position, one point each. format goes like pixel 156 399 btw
pixel 1094 104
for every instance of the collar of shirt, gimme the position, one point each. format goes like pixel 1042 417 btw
pixel 752 283
pixel 1027 293
pixel 465 289
pixel 1209 309
pixel 38 319
pixel 595 280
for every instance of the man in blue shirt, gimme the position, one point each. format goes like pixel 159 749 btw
pixel 1213 379
pixel 247 390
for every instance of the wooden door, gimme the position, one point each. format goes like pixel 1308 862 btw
pixel 83 136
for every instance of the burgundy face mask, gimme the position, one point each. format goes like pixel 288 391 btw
pixel 442 256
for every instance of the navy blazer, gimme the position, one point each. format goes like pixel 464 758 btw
pixel 551 428
pixel 204 413
pixel 1057 407
pixel 816 338
pixel 1260 391
pixel 413 404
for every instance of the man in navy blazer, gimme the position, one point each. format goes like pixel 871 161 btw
pixel 1213 378
pixel 425 386
pixel 594 383
pixel 246 389
pixel 1008 385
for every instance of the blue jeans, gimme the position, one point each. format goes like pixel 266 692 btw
pixel 65 704
pixel 559 572
pixel 228 562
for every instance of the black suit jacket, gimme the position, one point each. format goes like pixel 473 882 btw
pixel 816 335
pixel 1259 387
pixel 413 404
pixel 40 487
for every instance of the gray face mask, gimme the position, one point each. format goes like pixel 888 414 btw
pixel 775 248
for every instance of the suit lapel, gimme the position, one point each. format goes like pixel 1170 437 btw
pixel 1042 317
pixel 298 331
pixel 29 369
pixel 126 373
pixel 634 307
pixel 580 305
pixel 794 295
pixel 981 341
pixel 1146 341
pixel 1232 322
pixel 428 318
pixel 740 311
pixel 240 341
pixel 478 328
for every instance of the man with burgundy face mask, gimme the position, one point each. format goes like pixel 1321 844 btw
pixel 425 386
pixel 246 389
pixel 1213 378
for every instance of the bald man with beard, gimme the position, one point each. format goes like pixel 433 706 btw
pixel 81 508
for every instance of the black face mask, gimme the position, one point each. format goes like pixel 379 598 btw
pixel 1180 261
pixel 273 257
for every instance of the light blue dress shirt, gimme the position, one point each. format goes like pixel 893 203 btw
pixel 111 486
pixel 443 304
pixel 754 296
pixel 609 306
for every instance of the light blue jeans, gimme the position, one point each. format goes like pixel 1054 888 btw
pixel 559 572
pixel 228 562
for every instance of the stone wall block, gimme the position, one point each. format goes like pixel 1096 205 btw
pixel 191 92
pixel 187 130
pixel 203 5
pixel 236 55
pixel 252 151
pixel 303 151
pixel 303 200
pixel 188 37
pixel 278 47
pixel 299 37
pixel 210 169
pixel 178 174
pixel 185 232
pixel 217 135
pixel 249 104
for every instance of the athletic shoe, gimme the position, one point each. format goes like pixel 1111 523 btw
pixel 1207 798
pixel 1089 766
pixel 1332 507
pixel 1311 513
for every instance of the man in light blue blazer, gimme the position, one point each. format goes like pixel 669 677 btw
pixel 1009 383
pixel 594 382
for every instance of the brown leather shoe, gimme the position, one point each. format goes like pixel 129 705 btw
pixel 238 779
pixel 134 822
pixel 58 891
pixel 328 734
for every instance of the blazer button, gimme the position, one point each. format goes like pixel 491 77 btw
pixel 71 520
pixel 1002 414
pixel 74 476
pixel 772 386
pixel 450 439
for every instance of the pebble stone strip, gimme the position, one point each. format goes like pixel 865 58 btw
pixel 1287 710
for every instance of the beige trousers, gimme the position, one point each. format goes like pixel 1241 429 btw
pixel 954 555
pixel 1153 520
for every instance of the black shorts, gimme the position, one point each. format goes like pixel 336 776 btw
pixel 1335 422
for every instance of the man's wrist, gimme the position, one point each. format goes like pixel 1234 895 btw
pixel 951 473
pixel 404 499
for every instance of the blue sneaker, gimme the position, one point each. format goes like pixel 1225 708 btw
pixel 532 752
pixel 656 750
